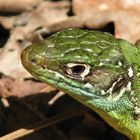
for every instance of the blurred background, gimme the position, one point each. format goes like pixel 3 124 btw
pixel 27 104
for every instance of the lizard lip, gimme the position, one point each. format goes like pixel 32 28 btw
pixel 25 58
pixel 29 65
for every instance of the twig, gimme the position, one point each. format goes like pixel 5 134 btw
pixel 56 97
pixel 40 125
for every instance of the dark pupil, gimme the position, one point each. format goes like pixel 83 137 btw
pixel 78 69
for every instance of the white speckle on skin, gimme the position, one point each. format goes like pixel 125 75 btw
pixel 70 29
pixel 101 64
pixel 120 63
pixel 138 74
pixel 103 92
pixel 128 87
pixel 59 75
pixel 88 85
pixel 132 93
pixel 133 99
pixel 89 50
pixel 137 111
pixel 130 72
pixel 51 45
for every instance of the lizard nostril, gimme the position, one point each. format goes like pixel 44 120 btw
pixel 33 61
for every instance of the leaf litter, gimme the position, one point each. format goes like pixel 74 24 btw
pixel 31 109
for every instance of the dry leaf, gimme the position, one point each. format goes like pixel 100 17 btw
pixel 20 87
pixel 23 100
pixel 123 13
pixel 45 14
pixel 14 6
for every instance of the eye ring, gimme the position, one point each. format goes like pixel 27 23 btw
pixel 78 70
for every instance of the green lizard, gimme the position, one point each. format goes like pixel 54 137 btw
pixel 96 69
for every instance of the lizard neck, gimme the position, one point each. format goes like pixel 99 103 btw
pixel 133 131
pixel 124 124
pixel 130 128
pixel 132 56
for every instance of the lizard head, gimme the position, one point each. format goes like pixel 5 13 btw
pixel 91 67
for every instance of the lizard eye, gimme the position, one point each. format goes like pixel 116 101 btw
pixel 78 70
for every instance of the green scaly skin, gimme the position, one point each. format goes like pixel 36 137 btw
pixel 96 69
